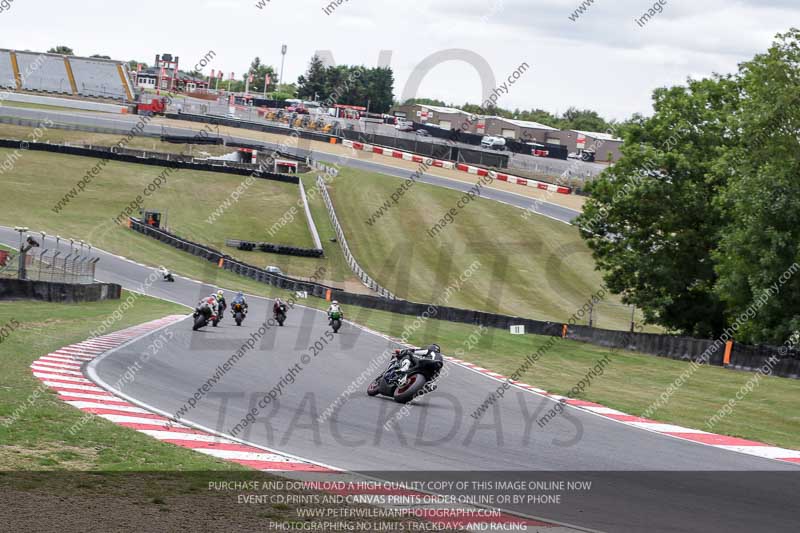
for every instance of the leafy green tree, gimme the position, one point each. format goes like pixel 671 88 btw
pixel 380 87
pixel 61 49
pixel 425 101
pixel 133 64
pixel 652 221
pixel 538 115
pixel 761 203
pixel 99 56
pixel 259 72
pixel 314 81
pixel 289 89
pixel 582 119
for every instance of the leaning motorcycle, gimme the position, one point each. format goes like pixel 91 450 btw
pixel 202 315
pixel 238 313
pixel 407 378
pixel 336 321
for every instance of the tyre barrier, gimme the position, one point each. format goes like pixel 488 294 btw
pixel 274 248
pixel 193 139
pixel 226 262
pixel 743 357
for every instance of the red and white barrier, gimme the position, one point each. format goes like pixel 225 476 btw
pixel 470 169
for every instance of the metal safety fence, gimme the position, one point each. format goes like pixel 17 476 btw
pixel 351 260
pixel 51 265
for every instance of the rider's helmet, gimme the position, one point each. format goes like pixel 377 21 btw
pixel 335 302
pixel 434 348
pixel 220 295
pixel 239 295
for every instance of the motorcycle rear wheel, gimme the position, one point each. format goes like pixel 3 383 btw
pixel 413 385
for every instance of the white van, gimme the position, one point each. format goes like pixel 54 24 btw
pixel 493 143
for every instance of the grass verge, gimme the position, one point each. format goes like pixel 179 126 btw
pixel 532 267
pixel 105 472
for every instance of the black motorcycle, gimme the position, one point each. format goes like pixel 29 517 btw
pixel 202 315
pixel 238 313
pixel 280 315
pixel 405 385
pixel 168 277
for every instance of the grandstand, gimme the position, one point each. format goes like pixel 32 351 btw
pixel 70 75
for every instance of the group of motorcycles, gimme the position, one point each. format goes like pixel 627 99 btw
pixel 410 372
pixel 211 309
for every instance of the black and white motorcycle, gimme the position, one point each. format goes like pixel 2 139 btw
pixel 410 373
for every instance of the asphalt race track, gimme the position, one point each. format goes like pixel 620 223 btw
pixel 125 122
pixel 642 481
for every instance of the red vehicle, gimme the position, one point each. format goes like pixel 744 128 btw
pixel 156 106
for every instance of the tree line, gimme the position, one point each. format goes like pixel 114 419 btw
pixel 698 223
pixel 572 119
pixel 348 85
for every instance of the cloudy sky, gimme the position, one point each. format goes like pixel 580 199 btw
pixel 603 60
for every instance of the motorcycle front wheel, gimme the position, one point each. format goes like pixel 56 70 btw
pixel 374 387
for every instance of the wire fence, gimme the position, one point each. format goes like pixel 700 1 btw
pixel 50 265
pixel 354 266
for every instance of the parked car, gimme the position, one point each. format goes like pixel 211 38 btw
pixel 493 143
pixel 274 270
pixel 423 133
pixel 404 125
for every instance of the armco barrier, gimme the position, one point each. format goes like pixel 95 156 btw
pixel 14 289
pixel 351 260
pixel 682 348
pixel 312 227
pixel 149 158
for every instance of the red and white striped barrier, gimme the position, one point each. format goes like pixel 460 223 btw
pixel 478 171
